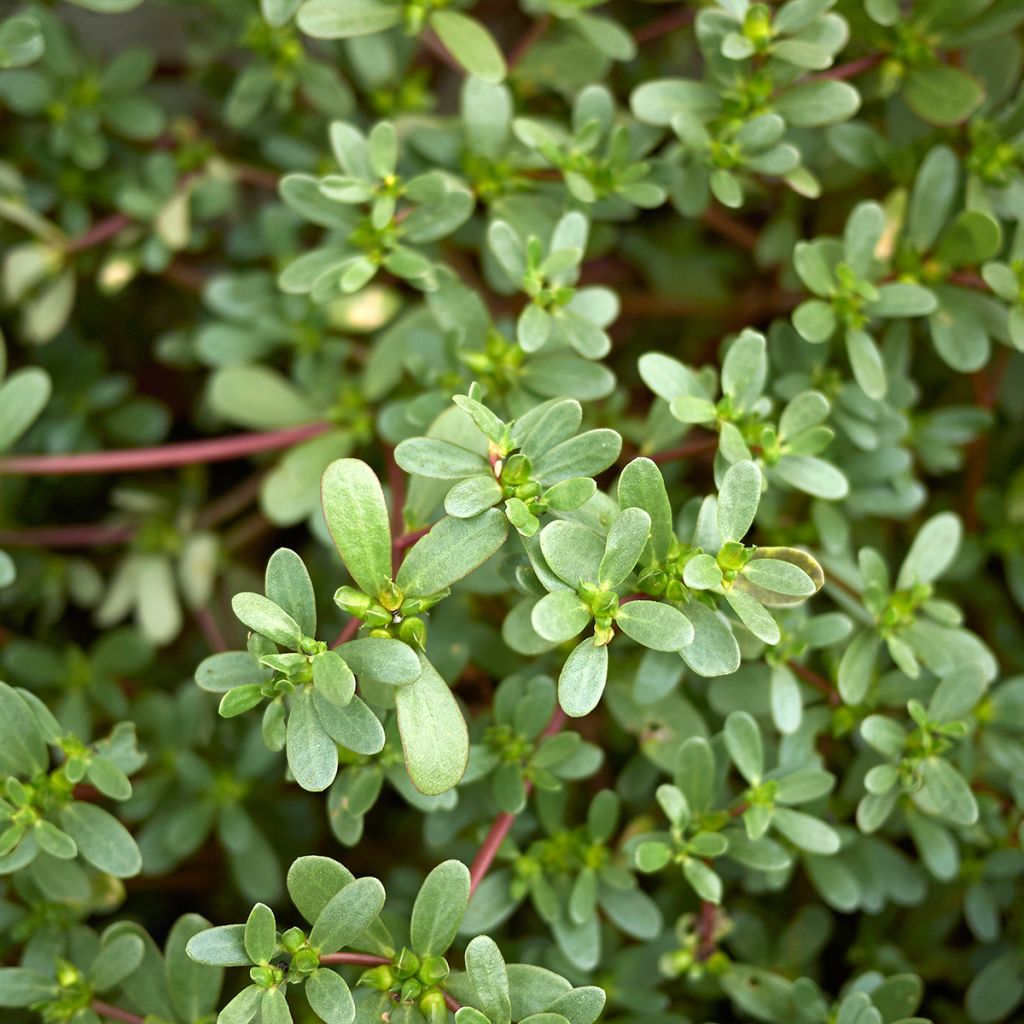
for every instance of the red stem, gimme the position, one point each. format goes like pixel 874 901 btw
pixel 503 823
pixel 184 453
pixel 525 44
pixel 685 451
pixel 116 1013
pixel 350 630
pixel 663 25
pixel 706 929
pixel 853 68
pixel 362 959
pixel 83 536
pixel 100 232
pixel 820 683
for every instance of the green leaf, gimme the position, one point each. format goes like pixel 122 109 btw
pixel 262 616
pixel 22 746
pixel 435 740
pixel 587 454
pixel 357 518
pixel 21 42
pixel 439 460
pixel 258 398
pixel 327 19
pixel 274 1007
pixel 738 498
pixel 945 793
pixel 243 1008
pixel 473 495
pixel 452 549
pixel 20 986
pixel 312 753
pixel 387 661
pixel 330 997
pixel 866 362
pixel 347 915
pixel 22 398
pixel 288 585
pixel 573 552
pixel 657 626
pixel 486 968
pixel 193 989
pixel 470 44
pixel 743 742
pixel 102 840
pixel 857 667
pixel 807 832
pixel 333 678
pixel 902 299
pixel 260 934
pixel 626 541
pixel 863 232
pixel 779 576
pixel 220 947
pixel 942 95
pixel 439 909
pixel 932 552
pixel 582 679
pixel 641 485
pixel 560 616
pixel 816 104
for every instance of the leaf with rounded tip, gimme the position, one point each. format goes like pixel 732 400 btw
pixel 572 552
pixel 223 946
pixel 22 398
pixel 932 551
pixel 329 997
pixel 625 544
pixel 779 577
pixel 805 831
pixel 288 585
pixel 333 678
pixel 743 742
pixel 754 616
pixel 328 19
pixel 472 495
pixel 312 882
pixel 811 475
pixel 102 840
pixel 560 616
pixel 486 968
pixel 268 619
pixel 354 726
pixel 641 485
pixel 357 518
pixel 439 908
pixel 470 44
pixel 439 460
pixel 435 740
pixel 714 651
pixel 312 753
pixel 452 550
pixel 702 572
pixel 387 661
pixel 260 936
pixel 586 454
pixel 657 626
pixel 583 677
pixel 738 498
pixel 745 369
pixel 221 672
pixel 258 398
pixel 347 915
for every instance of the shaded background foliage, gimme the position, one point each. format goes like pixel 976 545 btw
pixel 771 255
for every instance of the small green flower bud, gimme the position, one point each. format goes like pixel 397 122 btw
pixel 434 1008
pixel 406 964
pixel 263 976
pixel 433 970
pixel 353 601
pixel 732 557
pixel 306 961
pixel 391 597
pixel 605 603
pixel 413 631
pixel 675 590
pixel 516 470
pixel 380 978
pixel 293 939
pixel 410 990
pixel 377 617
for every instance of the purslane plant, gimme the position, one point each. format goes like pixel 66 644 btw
pixel 565 453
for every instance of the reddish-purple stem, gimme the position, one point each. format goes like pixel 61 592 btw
pixel 184 453
pixel 116 1013
pixel 503 823
pixel 86 535
pixel 100 232
pixel 852 68
pixel 686 451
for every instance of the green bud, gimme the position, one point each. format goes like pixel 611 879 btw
pixel 434 1008
pixel 406 964
pixel 377 617
pixel 263 976
pixel 353 601
pixel 391 597
pixel 306 961
pixel 410 990
pixel 413 631
pixel 733 556
pixel 516 471
pixel 433 970
pixel 293 939
pixel 381 978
